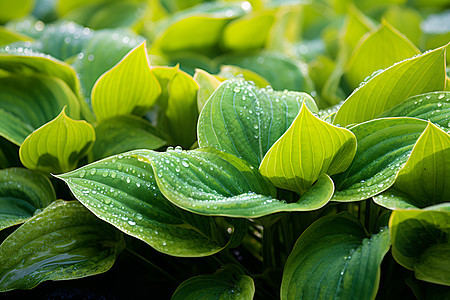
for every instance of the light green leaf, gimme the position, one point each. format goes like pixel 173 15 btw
pixel 57 146
pixel 249 32
pixel 423 178
pixel 177 105
pixel 407 20
pixel 8 36
pixel 434 106
pixel 233 72
pixel 22 194
pixel 129 87
pixel 122 191
pixel 378 49
pixel 10 10
pixel 124 133
pixel 420 242
pixel 245 121
pixel 211 182
pixel 309 148
pixel 384 146
pixel 62 242
pixel 413 76
pixel 227 283
pixel 29 101
pixel 335 259
pixel 207 85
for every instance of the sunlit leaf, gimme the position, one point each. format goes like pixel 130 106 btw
pixel 420 243
pixel 207 85
pixel 8 36
pixel 309 148
pixel 22 194
pixel 65 241
pixel 57 146
pixel 232 72
pixel 335 259
pixel 10 10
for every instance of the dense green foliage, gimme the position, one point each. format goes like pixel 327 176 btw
pixel 236 149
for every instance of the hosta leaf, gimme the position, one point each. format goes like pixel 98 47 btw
pixel 211 182
pixel 227 283
pixel 379 49
pixel 14 10
pixel 129 87
pixel 58 145
pixel 245 121
pixel 207 85
pixel 309 148
pixel 28 102
pixel 420 242
pixel 335 259
pixel 423 178
pixel 384 146
pixel 65 241
pixel 413 76
pixel 123 133
pixel 22 193
pixel 8 36
pixel 122 190
pixel 249 32
pixel 177 104
pixel 233 72
pixel 434 106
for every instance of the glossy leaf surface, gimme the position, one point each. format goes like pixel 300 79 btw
pixel 245 121
pixel 65 241
pixel 335 259
pixel 309 148
pixel 57 146
pixel 22 194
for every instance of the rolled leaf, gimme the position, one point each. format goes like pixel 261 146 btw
pixel 207 85
pixel 65 241
pixel 57 146
pixel 309 148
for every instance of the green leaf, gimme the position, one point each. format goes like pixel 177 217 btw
pixel 62 242
pixel 379 49
pixel 22 194
pixel 227 283
pixel 245 121
pixel 177 105
pixel 413 76
pixel 211 182
pixel 124 133
pixel 233 72
pixel 8 36
pixel 122 191
pixel 57 146
pixel 28 102
pixel 334 259
pixel 309 148
pixel 384 146
pixel 407 20
pixel 420 242
pixel 423 178
pixel 207 85
pixel 248 32
pixel 14 10
pixel 434 106
pixel 129 87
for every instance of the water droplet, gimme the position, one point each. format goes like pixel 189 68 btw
pixel 93 171
pixel 441 96
pixel 256 126
pixel 185 163
pixel 237 89
pixel 105 173
pixel 439 104
pixel 113 175
pixel 128 180
pixel 138 184
pixel 107 201
pixel 131 222
pixel 177 169
pixel 82 173
pixel 91 57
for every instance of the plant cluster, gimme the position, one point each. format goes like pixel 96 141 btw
pixel 239 149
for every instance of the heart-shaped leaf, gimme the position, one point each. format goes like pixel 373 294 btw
pixel 423 181
pixel 211 182
pixel 227 283
pixel 434 106
pixel 65 241
pixel 58 145
pixel 124 133
pixel 122 190
pixel 335 259
pixel 245 121
pixel 379 49
pixel 22 194
pixel 384 146
pixel 420 243
pixel 129 87
pixel 413 76
pixel 309 148
pixel 177 105
pixel 28 102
